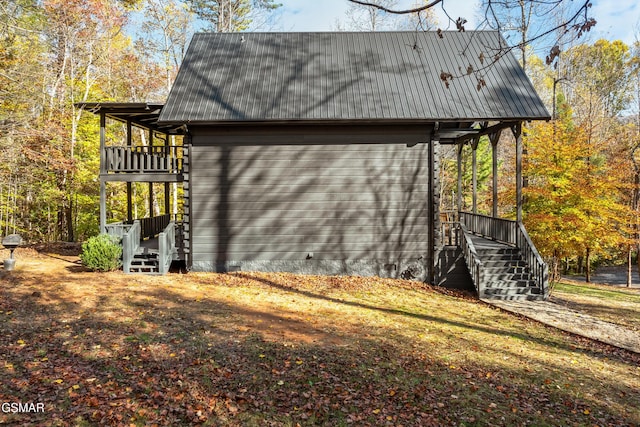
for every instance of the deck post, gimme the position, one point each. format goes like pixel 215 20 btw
pixel 517 133
pixel 459 196
pixel 167 191
pixel 103 170
pixel 167 199
pixel 129 185
pixel 433 208
pixel 474 160
pixel 129 202
pixel 494 138
pixel 151 201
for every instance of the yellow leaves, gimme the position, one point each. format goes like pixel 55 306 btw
pixel 21 343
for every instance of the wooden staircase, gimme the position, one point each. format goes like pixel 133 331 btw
pixel 501 258
pixel 506 276
pixel 146 262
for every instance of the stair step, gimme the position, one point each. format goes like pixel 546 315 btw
pixel 529 290
pixel 524 297
pixel 504 263
pixel 498 251
pixel 134 269
pixel 499 257
pixel 506 269
pixel 505 275
pixel 510 284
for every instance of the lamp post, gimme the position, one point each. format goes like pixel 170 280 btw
pixel 11 242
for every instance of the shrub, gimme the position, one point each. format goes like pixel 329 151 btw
pixel 101 253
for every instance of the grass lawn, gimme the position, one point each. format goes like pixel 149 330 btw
pixel 283 350
pixel 614 304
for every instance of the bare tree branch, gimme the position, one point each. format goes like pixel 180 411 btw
pixel 397 12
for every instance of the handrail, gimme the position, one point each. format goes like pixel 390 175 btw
pixel 117 229
pixel 142 159
pixel 449 228
pixel 539 269
pixel 151 227
pixel 130 244
pixel 500 229
pixel 166 247
pixel 472 259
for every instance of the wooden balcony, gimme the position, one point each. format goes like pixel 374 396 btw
pixel 141 163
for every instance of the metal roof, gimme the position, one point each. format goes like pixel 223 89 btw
pixel 141 114
pixel 338 76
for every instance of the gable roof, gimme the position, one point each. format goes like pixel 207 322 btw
pixel 379 76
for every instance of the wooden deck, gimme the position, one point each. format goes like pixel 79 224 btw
pixel 482 243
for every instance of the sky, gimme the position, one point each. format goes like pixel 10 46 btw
pixel 617 19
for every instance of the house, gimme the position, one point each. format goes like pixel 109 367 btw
pixel 315 153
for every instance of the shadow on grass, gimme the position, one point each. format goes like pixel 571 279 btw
pixel 144 356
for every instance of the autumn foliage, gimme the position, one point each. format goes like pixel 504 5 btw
pixel 573 200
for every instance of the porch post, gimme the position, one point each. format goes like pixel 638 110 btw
pixel 517 133
pixel 167 192
pixel 167 199
pixel 151 213
pixel 103 170
pixel 474 159
pixel 129 203
pixel 459 201
pixel 494 137
pixel 129 185
pixel 433 208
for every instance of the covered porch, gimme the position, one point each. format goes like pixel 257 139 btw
pixel 155 161
pixel 492 255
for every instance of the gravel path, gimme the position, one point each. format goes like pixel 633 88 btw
pixel 569 320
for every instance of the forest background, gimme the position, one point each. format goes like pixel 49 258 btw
pixel 582 169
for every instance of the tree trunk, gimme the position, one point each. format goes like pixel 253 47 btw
pixel 629 265
pixel 579 269
pixel 69 221
pixel 588 266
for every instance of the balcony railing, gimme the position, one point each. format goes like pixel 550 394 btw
pixel 141 159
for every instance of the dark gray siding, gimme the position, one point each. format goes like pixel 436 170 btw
pixel 340 208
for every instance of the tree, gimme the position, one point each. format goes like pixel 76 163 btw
pixel 603 72
pixel 363 18
pixel 167 28
pixel 230 15
pixel 573 201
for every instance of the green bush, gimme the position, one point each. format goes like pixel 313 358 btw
pixel 101 253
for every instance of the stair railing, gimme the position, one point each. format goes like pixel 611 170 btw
pixel 166 247
pixel 539 269
pixel 512 232
pixel 130 244
pixel 500 229
pixel 474 264
pixel 153 226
